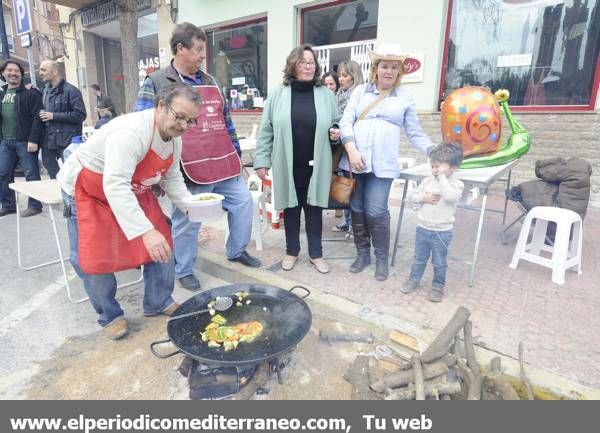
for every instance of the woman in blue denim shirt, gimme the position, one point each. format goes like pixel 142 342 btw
pixel 370 130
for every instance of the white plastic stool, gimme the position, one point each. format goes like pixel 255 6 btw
pixel 565 253
pixel 258 203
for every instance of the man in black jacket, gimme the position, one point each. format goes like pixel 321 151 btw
pixel 20 133
pixel 63 115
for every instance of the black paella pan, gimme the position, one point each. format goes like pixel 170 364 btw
pixel 285 317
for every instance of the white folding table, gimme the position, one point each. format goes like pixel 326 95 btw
pixel 49 194
pixel 482 178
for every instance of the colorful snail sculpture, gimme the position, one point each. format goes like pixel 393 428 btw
pixel 471 117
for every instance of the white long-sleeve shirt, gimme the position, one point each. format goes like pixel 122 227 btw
pixel 439 216
pixel 115 150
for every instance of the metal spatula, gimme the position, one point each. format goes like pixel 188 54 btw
pixel 222 303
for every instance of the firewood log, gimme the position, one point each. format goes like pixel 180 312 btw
pixel 442 342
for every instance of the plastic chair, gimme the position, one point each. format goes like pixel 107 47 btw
pixel 248 146
pixel 566 251
pixel 258 204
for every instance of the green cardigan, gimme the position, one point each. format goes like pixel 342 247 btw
pixel 274 147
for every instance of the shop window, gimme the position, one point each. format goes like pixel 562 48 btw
pixel 347 21
pixel 109 59
pixel 543 51
pixel 148 60
pixel 237 58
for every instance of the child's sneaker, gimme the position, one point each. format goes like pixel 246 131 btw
pixel 436 294
pixel 341 228
pixel 409 287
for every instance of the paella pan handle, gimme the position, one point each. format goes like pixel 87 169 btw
pixel 160 355
pixel 303 288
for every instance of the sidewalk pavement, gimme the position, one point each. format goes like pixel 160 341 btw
pixel 558 325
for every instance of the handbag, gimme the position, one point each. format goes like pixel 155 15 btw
pixel 342 188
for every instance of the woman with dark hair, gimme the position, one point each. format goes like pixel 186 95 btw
pixel 331 81
pixel 295 143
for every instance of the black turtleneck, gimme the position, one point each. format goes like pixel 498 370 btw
pixel 304 121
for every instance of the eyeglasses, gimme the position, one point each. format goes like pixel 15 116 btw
pixel 190 123
pixel 304 63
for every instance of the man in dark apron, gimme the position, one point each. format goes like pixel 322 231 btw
pixel 115 222
pixel 210 159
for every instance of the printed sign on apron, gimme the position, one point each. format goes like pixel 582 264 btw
pixel 208 155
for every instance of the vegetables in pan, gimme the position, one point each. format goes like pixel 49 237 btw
pixel 216 334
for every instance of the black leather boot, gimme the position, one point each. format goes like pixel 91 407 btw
pixel 379 227
pixel 362 240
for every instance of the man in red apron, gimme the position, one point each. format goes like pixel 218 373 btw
pixel 210 156
pixel 114 218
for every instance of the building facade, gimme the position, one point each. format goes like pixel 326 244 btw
pixel 544 51
pixel 92 37
pixel 46 37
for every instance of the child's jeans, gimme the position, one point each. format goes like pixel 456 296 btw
pixel 435 243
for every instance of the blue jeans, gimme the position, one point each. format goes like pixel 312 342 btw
pixel 237 203
pixel 159 279
pixel 435 243
pixel 12 151
pixel 371 195
pixel 50 159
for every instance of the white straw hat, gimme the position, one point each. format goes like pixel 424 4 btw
pixel 383 51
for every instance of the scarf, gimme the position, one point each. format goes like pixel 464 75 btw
pixel 343 96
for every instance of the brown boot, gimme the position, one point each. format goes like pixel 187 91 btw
pixel 170 309
pixel 117 329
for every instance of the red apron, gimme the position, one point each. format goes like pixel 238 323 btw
pixel 103 247
pixel 208 155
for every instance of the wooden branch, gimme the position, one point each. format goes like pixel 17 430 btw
pixel 447 358
pixel 418 375
pixel 261 378
pixel 438 386
pixel 467 376
pixel 442 342
pixel 471 360
pixel 498 383
pixel 404 377
pixel 524 378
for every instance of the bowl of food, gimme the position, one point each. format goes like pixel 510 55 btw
pixel 205 207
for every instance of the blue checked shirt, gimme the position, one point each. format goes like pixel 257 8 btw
pixel 377 136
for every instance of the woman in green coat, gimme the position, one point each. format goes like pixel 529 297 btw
pixel 294 142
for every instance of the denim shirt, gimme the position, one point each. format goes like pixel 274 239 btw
pixel 377 136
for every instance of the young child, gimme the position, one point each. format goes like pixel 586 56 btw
pixel 437 197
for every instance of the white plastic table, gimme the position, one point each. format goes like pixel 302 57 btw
pixel 49 194
pixel 482 178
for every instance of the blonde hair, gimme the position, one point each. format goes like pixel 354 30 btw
pixel 373 71
pixel 353 69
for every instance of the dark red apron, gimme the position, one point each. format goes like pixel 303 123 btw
pixel 208 155
pixel 103 247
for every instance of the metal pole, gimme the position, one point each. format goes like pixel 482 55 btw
pixel 31 66
pixel 3 36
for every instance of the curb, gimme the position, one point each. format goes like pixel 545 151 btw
pixel 545 381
